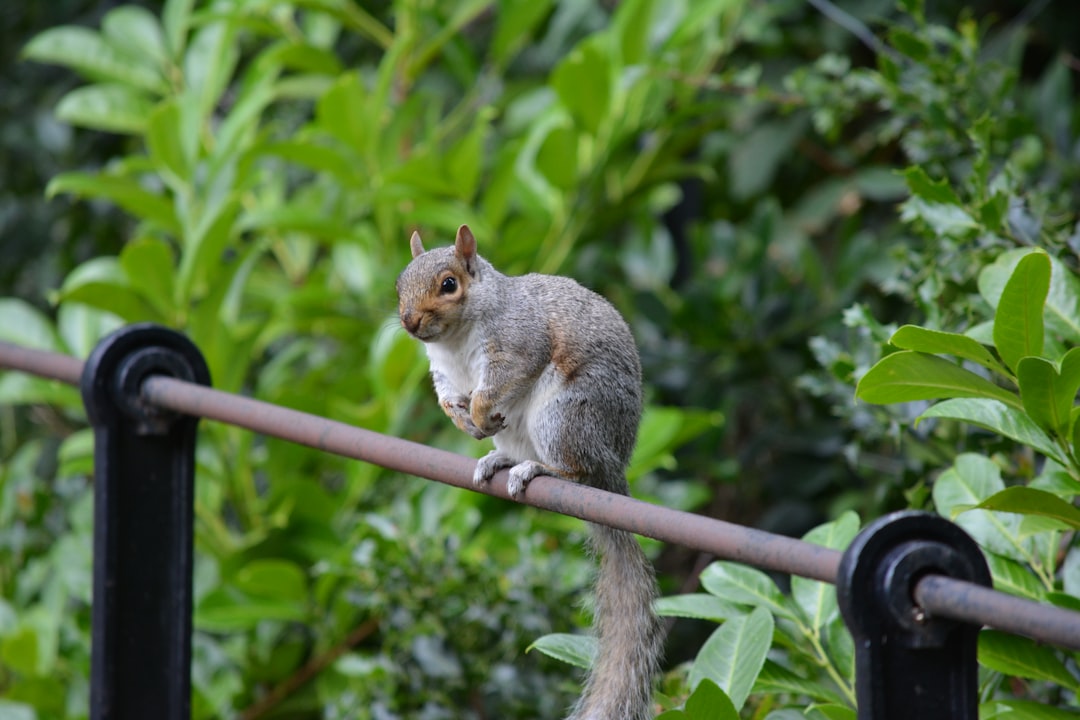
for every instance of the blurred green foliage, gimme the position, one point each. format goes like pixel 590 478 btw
pixel 727 172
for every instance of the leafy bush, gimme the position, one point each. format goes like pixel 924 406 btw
pixel 723 171
pixel 278 153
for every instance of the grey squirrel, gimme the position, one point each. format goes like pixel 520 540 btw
pixel 550 371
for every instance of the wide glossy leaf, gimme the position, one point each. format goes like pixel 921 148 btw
pixel 1029 501
pixel 709 702
pixel 109 107
pixel 274 579
pixel 737 583
pixel 82 326
pixel 1018 321
pixel 997 417
pixel 936 342
pixel 830 711
pixel 88 53
pixel 776 679
pixel 125 192
pixel 514 23
pixel 1063 303
pixel 1046 394
pixel 585 80
pixel 816 599
pixel 101 283
pixel 906 375
pixel 1022 657
pixel 733 655
pixel 23 324
pixel 577 650
pixel 1023 710
pixel 307 153
pixel 208 64
pixel 701 606
pixel 137 32
pixel 21 389
pixel 171 151
pixel 1014 578
pixel 175 21
pixel 972 479
pixel 219 611
pixel 150 268
pixel 1062 312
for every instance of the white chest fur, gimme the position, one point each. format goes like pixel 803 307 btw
pixel 461 361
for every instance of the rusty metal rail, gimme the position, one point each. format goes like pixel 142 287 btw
pixel 935 595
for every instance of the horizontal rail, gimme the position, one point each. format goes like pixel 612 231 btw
pixel 936 595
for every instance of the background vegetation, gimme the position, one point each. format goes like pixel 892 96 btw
pixel 767 190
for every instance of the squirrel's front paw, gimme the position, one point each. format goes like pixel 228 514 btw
pixel 490 424
pixel 487 466
pixel 458 410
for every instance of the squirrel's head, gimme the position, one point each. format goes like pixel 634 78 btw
pixel 433 289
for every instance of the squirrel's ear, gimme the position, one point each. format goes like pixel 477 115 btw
pixel 465 244
pixel 415 245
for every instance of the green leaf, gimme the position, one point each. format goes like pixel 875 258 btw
pixel 101 283
pixel 112 108
pixel 273 579
pixel 584 81
pixel 972 479
pixel 907 375
pixel 208 64
pixel 514 23
pixel 733 655
pixel 1046 398
pixel 999 418
pixel 1018 322
pixel 935 342
pixel 1023 710
pixel 948 221
pixel 697 605
pixel 934 191
pixel 125 192
pixel 830 711
pixel 775 679
pixel 175 20
pixel 23 324
pixel 137 32
pixel 150 268
pixel 1014 578
pixel 344 112
pixel 709 702
pixel 220 611
pixel 171 148
pixel 1022 657
pixel 1029 501
pixel 816 599
pixel 82 326
pixel 577 650
pixel 1063 303
pixel 86 52
pixel 737 583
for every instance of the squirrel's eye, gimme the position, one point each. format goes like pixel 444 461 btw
pixel 448 285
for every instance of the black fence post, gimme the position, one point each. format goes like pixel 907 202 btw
pixel 144 465
pixel 907 664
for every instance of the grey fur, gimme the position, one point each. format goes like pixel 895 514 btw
pixel 550 371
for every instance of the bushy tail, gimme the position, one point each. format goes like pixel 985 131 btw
pixel 629 632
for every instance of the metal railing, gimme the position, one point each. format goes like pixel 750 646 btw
pixel 913 588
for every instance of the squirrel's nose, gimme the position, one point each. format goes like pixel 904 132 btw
pixel 410 321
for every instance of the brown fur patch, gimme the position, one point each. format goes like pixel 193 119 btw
pixel 566 359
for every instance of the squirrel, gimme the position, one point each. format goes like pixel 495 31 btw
pixel 550 371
